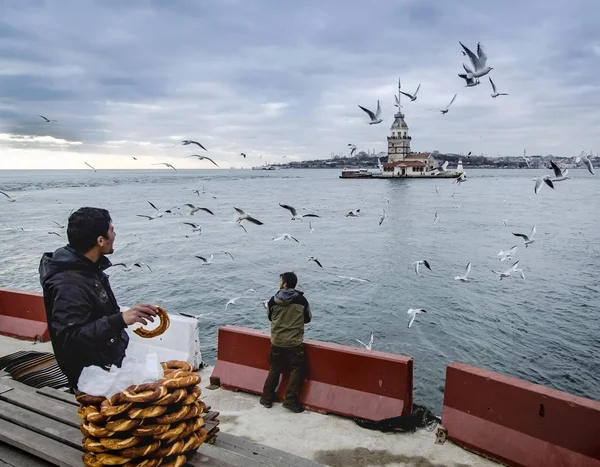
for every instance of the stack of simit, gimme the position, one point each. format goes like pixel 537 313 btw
pixel 149 425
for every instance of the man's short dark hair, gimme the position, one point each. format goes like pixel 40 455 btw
pixel 85 226
pixel 290 279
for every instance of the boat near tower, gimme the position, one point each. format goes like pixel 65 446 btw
pixel 402 162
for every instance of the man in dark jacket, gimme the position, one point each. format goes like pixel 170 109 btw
pixel 85 323
pixel 288 311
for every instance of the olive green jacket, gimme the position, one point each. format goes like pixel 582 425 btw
pixel 288 311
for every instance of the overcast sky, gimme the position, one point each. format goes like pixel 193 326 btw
pixel 280 78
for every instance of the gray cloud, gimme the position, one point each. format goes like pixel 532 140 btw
pixel 262 76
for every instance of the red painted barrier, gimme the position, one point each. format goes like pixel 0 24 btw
pixel 353 382
pixel 22 315
pixel 517 422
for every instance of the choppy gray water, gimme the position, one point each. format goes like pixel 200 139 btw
pixel 544 329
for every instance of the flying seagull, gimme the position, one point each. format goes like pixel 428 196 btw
pixel 285 236
pixel 233 300
pixel 246 217
pixel 496 93
pixel 419 263
pixel 441 168
pixel 375 117
pixel 312 258
pixel 205 261
pixel 445 111
pixel 436 218
pixel 167 164
pixel 227 253
pixel 55 233
pixel 195 209
pixel 521 273
pixel 354 279
pixel 539 181
pixel 383 216
pixel 462 177
pixel 478 61
pixel 368 346
pixel 310 228
pixel 137 265
pixel 588 163
pixel 156 215
pixel 47 120
pixel 468 77
pixel 195 227
pixel 352 149
pixel 185 142
pixel 463 278
pixel 60 226
pixel 294 212
pixel 527 239
pixel 10 199
pixel 90 166
pixel 203 157
pixel 243 155
pixel 558 173
pixel 413 312
pixel 412 97
pixel 396 101
pixel 354 213
pixel 504 255
pixel 508 272
pixel 240 225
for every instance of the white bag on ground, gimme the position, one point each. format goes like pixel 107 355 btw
pixel 139 366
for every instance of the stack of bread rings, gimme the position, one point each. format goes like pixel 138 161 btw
pixel 149 425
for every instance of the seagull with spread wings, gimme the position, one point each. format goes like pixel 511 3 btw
pixel 199 157
pixel 375 117
pixel 167 164
pixel 242 216
pixel 185 142
pixel 478 61
pixel 294 212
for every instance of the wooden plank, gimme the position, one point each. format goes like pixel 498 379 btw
pixel 210 439
pixel 39 424
pixel 247 447
pixel 211 415
pixel 59 395
pixel 229 458
pixel 59 411
pixel 13 457
pixel 40 446
pixel 16 385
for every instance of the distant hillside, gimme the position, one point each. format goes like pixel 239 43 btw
pixel 364 160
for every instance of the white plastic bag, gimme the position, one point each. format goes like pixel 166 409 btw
pixel 138 367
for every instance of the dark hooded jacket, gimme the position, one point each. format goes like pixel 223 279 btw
pixel 84 320
pixel 288 312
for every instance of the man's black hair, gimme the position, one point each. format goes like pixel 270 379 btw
pixel 290 279
pixel 85 226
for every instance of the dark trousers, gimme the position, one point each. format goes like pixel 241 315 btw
pixel 285 360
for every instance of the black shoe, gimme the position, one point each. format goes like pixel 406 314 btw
pixel 266 403
pixel 294 407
